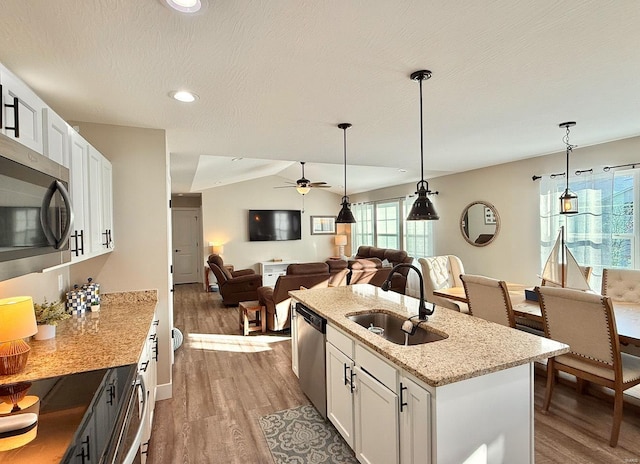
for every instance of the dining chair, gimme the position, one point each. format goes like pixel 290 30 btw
pixel 488 299
pixel 442 272
pixel 586 322
pixel 621 284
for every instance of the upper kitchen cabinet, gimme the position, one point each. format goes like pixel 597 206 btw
pixel 79 187
pixel 100 203
pixel 21 112
pixel 56 133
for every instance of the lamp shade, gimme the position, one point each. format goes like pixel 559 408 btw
pixel 17 318
pixel 345 216
pixel 303 190
pixel 217 249
pixel 341 240
pixel 422 209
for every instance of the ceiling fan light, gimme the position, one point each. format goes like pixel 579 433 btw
pixel 185 6
pixel 303 190
pixel 345 216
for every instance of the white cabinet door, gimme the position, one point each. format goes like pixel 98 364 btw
pixel 339 393
pixel 56 137
pixel 28 105
pixel 97 238
pixel 107 201
pixel 376 418
pixel 80 241
pixel 415 423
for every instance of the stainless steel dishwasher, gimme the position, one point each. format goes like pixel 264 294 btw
pixel 311 329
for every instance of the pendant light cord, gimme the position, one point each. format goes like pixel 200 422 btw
pixel 570 147
pixel 344 130
pixel 421 138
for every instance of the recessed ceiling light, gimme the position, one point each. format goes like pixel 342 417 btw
pixel 185 6
pixel 183 96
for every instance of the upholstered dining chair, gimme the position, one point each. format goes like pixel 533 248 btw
pixel 442 272
pixel 536 327
pixel 586 322
pixel 488 299
pixel 621 284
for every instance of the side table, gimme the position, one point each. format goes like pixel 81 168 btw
pixel 252 317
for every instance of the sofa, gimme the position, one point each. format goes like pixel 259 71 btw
pixel 372 265
pixel 339 271
pixel 235 286
pixel 276 299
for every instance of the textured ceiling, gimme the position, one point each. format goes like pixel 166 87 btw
pixel 275 78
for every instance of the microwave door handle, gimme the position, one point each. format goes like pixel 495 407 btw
pixel 44 215
pixel 133 450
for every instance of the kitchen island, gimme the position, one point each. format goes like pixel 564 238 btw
pixel 465 398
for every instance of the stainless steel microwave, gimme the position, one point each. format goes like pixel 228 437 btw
pixel 35 211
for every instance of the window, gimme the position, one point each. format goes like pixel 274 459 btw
pixel 388 225
pixel 604 232
pixel 382 224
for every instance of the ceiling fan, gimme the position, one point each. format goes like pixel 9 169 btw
pixel 303 185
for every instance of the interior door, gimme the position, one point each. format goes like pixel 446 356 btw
pixel 187 259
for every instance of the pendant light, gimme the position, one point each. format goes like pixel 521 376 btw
pixel 568 199
pixel 422 208
pixel 345 216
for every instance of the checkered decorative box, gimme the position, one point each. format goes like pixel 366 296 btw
pixel 92 291
pixel 76 302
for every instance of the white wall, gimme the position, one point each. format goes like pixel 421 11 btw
pixel 515 254
pixel 225 214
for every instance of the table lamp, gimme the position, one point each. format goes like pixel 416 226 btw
pixel 341 241
pixel 217 249
pixel 17 322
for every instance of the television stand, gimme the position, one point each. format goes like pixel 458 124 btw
pixel 271 270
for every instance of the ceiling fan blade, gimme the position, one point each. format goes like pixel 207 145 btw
pixel 316 184
pixel 320 186
pixel 286 186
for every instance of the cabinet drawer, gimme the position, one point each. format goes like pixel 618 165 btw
pixel 377 367
pixel 340 341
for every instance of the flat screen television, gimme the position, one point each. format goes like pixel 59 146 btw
pixel 269 224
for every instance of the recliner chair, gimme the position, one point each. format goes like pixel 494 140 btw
pixel 277 300
pixel 235 286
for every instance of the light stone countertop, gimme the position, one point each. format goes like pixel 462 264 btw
pixel 474 347
pixel 113 336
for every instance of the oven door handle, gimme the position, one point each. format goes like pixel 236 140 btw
pixel 137 441
pixel 44 215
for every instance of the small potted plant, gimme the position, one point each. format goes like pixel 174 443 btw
pixel 47 317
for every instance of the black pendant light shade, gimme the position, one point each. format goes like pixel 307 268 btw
pixel 345 216
pixel 568 199
pixel 422 209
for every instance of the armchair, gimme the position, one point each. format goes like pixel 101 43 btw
pixel 277 300
pixel 235 286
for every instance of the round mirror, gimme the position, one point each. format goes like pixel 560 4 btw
pixel 480 223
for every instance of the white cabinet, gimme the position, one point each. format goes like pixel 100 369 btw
pixel 340 386
pixel 415 423
pixel 100 202
pixel 376 419
pixel 294 339
pixel 56 137
pixel 271 270
pixel 20 100
pixel 80 242
pixel 147 367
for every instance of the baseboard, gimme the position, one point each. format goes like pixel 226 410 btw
pixel 164 391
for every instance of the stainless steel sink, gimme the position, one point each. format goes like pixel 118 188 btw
pixel 392 327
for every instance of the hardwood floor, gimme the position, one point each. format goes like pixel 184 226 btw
pixel 223 382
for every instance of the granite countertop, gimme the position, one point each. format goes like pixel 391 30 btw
pixel 474 347
pixel 113 336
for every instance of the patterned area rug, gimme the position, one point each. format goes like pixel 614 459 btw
pixel 301 436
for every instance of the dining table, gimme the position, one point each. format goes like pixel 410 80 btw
pixel 627 314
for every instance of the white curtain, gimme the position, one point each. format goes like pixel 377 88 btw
pixel 588 234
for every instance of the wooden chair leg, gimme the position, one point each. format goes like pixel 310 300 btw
pixel 580 385
pixel 550 382
pixel 617 417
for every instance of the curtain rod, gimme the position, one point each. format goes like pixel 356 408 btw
pixel 562 174
pixel 632 165
pixel 391 199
